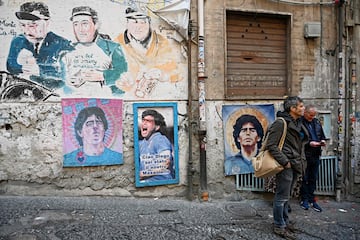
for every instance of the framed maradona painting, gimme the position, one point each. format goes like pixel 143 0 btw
pixel 156 144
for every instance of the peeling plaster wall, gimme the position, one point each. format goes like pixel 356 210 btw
pixel 31 142
pixel 31 157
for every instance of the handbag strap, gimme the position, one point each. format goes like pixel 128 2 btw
pixel 282 139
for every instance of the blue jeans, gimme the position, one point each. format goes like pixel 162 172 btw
pixel 285 182
pixel 308 185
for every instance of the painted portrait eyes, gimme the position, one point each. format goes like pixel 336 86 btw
pixel 148 120
pixel 138 21
pixel 244 130
pixel 92 123
pixel 29 25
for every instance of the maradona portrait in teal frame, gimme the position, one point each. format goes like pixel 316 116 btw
pixel 156 144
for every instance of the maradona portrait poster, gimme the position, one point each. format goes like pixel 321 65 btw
pixel 92 132
pixel 156 144
pixel 244 128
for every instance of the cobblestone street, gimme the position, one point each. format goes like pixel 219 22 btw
pixel 129 218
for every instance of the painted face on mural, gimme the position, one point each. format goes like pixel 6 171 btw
pixel 84 28
pixel 148 126
pixel 93 131
pixel 34 31
pixel 248 135
pixel 139 28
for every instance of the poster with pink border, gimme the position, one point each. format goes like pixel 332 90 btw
pixel 92 132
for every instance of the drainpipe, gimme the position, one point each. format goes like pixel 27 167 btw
pixel 202 114
pixel 190 168
pixel 355 81
pixel 352 114
pixel 341 88
pixel 347 130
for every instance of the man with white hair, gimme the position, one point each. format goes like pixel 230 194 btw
pixel 312 153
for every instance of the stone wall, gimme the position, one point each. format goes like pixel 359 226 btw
pixel 31 132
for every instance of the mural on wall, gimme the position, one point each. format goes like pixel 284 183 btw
pixel 112 48
pixel 92 132
pixel 96 62
pixel 156 144
pixel 244 128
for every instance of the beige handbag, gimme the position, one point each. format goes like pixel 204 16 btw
pixel 264 164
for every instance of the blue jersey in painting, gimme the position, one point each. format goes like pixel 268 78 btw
pixel 151 159
pixel 238 165
pixel 78 158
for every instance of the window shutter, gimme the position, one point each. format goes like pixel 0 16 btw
pixel 256 55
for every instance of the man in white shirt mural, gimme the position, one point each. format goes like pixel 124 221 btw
pixel 96 63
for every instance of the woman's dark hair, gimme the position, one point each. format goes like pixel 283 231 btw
pixel 246 118
pixel 159 119
pixel 83 116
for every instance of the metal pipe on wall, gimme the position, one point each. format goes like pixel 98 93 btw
pixel 341 88
pixel 202 101
pixel 357 51
pixel 190 168
pixel 354 167
pixel 346 78
pixel 352 119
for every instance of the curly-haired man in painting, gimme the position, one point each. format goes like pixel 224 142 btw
pixel 90 128
pixel 247 134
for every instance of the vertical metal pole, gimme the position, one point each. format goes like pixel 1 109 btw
pixel 355 81
pixel 341 87
pixel 190 170
pixel 202 99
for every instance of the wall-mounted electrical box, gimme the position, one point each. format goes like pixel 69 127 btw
pixel 312 29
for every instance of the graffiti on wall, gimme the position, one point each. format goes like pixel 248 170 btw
pixel 244 128
pixel 92 132
pixel 88 50
pixel 156 144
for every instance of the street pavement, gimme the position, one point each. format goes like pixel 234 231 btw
pixel 30 218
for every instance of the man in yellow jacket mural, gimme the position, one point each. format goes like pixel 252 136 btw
pixel 149 56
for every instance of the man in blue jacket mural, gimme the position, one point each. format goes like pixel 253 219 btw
pixel 35 53
pixel 96 63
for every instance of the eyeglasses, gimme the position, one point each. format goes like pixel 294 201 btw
pixel 244 130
